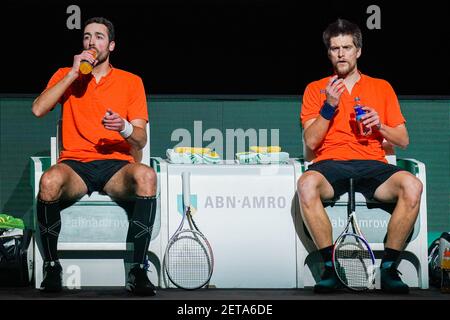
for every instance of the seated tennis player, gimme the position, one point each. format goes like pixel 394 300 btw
pixel 344 148
pixel 104 116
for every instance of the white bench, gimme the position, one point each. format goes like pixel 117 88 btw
pixel 241 261
pixel 92 242
pixel 373 223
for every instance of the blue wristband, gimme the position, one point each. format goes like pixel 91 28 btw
pixel 327 111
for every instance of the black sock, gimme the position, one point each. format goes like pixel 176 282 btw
pixel 327 255
pixel 141 225
pixel 49 220
pixel 390 255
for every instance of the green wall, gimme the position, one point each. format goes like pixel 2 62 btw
pixel 23 135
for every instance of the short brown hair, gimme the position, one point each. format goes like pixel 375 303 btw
pixel 104 21
pixel 342 27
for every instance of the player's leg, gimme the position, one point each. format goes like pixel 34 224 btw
pixel 407 190
pixel 58 183
pixel 138 182
pixel 312 188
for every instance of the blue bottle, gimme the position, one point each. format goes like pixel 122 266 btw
pixel 359 112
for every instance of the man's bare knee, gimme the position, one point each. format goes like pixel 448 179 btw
pixel 411 191
pixel 308 188
pixel 145 179
pixel 50 185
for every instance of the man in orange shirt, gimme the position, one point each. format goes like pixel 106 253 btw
pixel 343 151
pixel 104 116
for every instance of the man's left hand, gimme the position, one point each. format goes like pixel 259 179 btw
pixel 113 121
pixel 371 119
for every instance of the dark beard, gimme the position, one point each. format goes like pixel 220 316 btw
pixel 344 74
pixel 102 58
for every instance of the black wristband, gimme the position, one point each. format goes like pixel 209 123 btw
pixel 327 111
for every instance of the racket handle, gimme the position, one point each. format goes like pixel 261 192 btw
pixel 186 177
pixel 351 196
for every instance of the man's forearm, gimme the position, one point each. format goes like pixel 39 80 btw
pixel 316 132
pixel 49 98
pixel 397 136
pixel 138 138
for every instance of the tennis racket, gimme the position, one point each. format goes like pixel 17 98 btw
pixel 353 259
pixel 188 260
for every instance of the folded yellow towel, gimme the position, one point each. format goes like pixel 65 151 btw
pixel 213 154
pixel 262 158
pixel 192 150
pixel 268 149
pixel 187 157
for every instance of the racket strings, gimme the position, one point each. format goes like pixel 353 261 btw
pixel 353 263
pixel 188 262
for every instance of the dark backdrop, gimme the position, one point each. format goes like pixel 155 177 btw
pixel 229 47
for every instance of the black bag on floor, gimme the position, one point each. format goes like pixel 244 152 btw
pixel 16 257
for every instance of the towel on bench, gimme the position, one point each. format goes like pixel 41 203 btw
pixel 263 155
pixel 188 155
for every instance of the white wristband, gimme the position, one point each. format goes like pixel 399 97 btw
pixel 127 131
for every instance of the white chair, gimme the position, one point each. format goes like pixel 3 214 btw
pixel 373 222
pixel 93 233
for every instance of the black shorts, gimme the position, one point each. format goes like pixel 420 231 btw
pixel 367 174
pixel 97 173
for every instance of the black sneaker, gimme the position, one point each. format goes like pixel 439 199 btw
pixel 52 277
pixel 390 279
pixel 329 282
pixel 138 282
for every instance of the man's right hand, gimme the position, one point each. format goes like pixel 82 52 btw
pixel 84 55
pixel 334 90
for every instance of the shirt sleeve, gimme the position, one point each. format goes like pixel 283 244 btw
pixel 394 116
pixel 57 76
pixel 138 101
pixel 311 103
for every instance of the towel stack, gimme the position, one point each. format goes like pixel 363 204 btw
pixel 263 155
pixel 191 155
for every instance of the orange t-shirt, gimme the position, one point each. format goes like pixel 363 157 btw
pixel 342 141
pixel 84 105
